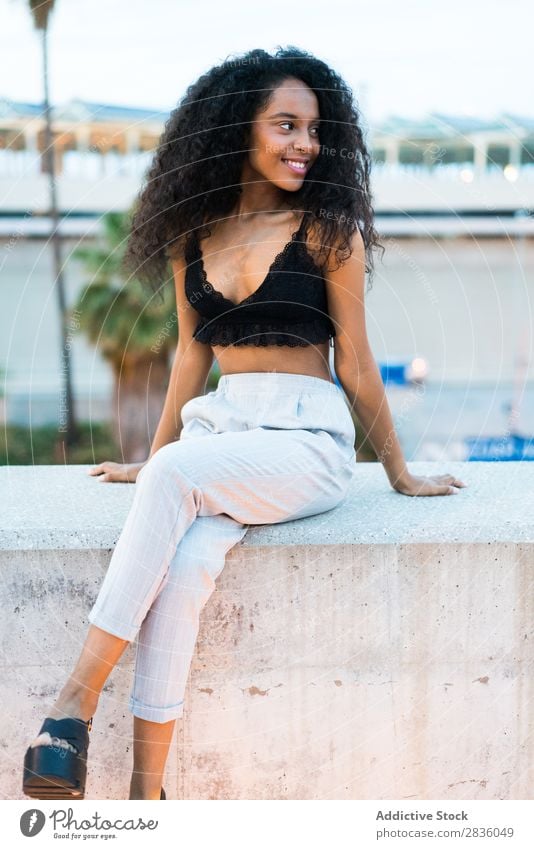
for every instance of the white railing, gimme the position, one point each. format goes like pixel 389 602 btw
pixel 76 164
pixel 92 165
pixel 451 172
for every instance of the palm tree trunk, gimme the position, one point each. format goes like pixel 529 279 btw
pixel 139 395
pixel 68 423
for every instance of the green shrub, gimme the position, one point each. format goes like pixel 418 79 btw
pixel 38 446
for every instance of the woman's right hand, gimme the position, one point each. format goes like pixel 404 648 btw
pixel 110 472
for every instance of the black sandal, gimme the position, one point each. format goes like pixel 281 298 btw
pixel 54 772
pixel 162 794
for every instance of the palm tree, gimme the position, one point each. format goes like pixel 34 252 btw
pixel 40 11
pixel 135 333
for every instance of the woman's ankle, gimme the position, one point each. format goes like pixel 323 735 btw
pixel 79 702
pixel 142 789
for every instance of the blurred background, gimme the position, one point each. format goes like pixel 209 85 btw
pixel 445 93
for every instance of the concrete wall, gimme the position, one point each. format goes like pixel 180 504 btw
pixel 382 650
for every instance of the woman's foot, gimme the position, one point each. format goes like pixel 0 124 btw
pixel 55 765
pixel 74 706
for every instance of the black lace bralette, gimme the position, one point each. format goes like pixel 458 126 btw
pixel 288 308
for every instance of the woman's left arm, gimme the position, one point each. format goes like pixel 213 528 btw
pixel 362 383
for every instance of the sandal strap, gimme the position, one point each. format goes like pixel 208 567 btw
pixel 74 731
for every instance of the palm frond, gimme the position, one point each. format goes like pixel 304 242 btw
pixel 118 314
pixel 40 11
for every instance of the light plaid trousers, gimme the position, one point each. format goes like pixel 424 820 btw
pixel 262 448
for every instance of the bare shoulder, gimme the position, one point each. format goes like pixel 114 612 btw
pixel 327 256
pixel 176 249
pixel 344 278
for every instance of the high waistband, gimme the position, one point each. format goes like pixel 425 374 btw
pixel 266 381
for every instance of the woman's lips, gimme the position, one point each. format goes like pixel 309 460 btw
pixel 295 166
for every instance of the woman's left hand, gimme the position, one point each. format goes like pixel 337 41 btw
pixel 431 485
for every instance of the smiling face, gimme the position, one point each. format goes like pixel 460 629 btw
pixel 284 140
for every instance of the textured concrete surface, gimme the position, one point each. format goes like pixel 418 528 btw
pixel 381 650
pixel 61 507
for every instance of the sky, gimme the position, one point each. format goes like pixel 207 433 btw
pixel 400 57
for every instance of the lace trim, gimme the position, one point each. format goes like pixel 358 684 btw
pixel 262 334
pixel 279 258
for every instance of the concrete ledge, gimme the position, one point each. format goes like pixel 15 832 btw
pixel 380 650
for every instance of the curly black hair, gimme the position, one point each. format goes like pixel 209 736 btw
pixel 194 177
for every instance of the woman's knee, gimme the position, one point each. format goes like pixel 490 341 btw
pixel 164 464
pixel 192 576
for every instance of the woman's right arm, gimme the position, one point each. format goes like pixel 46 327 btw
pixel 192 363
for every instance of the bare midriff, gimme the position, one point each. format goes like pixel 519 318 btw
pixel 311 359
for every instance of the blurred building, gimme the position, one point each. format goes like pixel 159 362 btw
pixel 453 197
pixel 442 164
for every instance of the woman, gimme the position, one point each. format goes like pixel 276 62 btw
pixel 259 196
